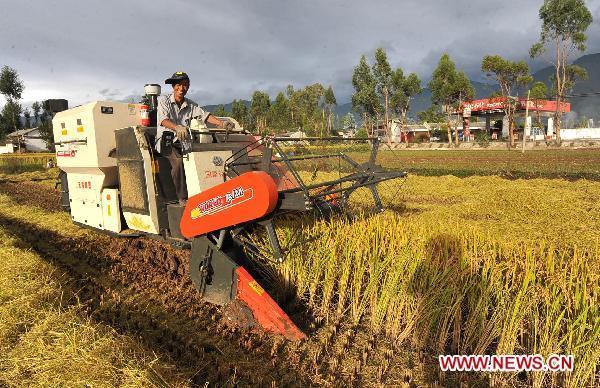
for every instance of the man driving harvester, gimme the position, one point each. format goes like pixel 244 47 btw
pixel 174 115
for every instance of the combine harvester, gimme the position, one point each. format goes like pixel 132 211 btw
pixel 114 181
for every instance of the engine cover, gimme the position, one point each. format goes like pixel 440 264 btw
pixel 247 197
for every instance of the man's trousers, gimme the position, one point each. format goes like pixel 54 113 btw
pixel 178 173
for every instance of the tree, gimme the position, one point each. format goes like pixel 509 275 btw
pixel 349 122
pixel 239 111
pixel 306 107
pixel 382 72
pixel 27 115
pixel 509 75
pixel 402 91
pixel 45 127
pixel 310 99
pixel 279 113
pixel 10 114
pixel 433 114
pixel 11 87
pixel 564 23
pixel 364 99
pixel 259 108
pixel 538 92
pixel 220 111
pixel 463 91
pixel 330 103
pixel 46 134
pixel 36 107
pixel 361 133
pixel 449 88
pixel 293 104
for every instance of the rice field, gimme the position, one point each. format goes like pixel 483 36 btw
pixel 481 265
pixel 464 263
pixel 563 163
pixel 25 162
pixel 552 163
pixel 47 338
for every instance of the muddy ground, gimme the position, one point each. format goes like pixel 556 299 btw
pixel 141 287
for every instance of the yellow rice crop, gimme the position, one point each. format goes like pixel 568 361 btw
pixel 467 266
pixel 48 339
pixel 16 163
pixel 480 265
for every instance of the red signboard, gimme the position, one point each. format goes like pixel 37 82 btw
pixel 544 105
pixel 497 104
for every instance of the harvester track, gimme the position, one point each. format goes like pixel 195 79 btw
pixel 32 194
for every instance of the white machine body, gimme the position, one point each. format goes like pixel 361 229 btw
pixel 85 137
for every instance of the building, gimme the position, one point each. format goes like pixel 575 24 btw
pixel 410 133
pixel 7 149
pixel 27 140
pixel 495 109
pixel 400 134
pixel 580 133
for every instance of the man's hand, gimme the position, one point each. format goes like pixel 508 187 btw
pixel 182 132
pixel 228 125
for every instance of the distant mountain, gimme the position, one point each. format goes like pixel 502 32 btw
pixel 211 108
pixel 588 106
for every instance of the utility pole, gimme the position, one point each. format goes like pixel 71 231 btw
pixel 526 121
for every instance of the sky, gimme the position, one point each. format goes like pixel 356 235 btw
pixel 107 50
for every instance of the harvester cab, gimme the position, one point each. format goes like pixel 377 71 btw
pixel 114 181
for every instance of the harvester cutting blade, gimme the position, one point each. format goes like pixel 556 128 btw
pixel 223 281
pixel 266 312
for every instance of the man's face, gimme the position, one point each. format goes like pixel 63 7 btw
pixel 180 89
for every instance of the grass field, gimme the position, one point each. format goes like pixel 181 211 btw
pixel 558 163
pixel 555 163
pixel 467 262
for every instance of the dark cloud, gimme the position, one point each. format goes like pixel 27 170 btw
pixel 110 49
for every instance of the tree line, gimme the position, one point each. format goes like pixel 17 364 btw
pixel 12 87
pixel 310 109
pixel 382 93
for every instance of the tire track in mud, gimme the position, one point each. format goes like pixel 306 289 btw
pixel 123 287
pixel 31 194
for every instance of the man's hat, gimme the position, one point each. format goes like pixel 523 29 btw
pixel 176 77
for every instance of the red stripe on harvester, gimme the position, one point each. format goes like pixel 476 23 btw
pixel 266 312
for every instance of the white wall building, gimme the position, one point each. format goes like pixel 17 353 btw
pixel 579 133
pixel 28 138
pixel 7 149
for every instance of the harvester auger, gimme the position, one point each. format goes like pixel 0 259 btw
pixel 113 180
